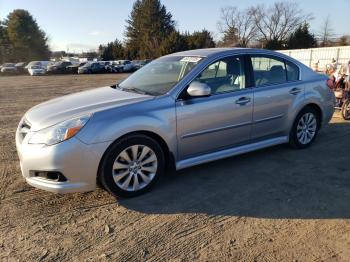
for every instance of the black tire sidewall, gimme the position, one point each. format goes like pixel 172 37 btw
pixel 345 115
pixel 293 139
pixel 105 173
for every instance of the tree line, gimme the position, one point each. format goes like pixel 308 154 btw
pixel 151 32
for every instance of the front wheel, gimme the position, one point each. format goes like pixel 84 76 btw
pixel 345 110
pixel 305 128
pixel 131 166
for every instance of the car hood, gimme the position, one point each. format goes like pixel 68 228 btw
pixel 66 107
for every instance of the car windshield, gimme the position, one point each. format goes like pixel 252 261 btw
pixel 159 76
pixel 9 65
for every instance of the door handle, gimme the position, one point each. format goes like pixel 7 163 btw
pixel 243 100
pixel 294 91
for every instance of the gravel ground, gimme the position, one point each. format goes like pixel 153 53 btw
pixel 276 204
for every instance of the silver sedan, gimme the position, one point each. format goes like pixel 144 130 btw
pixel 178 111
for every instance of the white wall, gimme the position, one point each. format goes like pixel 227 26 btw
pixel 323 54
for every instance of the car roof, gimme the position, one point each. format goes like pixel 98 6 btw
pixel 206 51
pixel 209 52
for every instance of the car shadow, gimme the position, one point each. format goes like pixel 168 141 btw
pixel 277 182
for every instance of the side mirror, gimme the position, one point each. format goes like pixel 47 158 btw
pixel 197 89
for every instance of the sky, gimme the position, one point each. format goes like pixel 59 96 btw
pixel 81 25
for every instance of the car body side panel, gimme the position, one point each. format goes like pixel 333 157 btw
pixel 157 117
pixel 275 108
pixel 317 92
pixel 211 123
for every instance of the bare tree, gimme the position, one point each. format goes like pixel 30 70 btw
pixel 326 32
pixel 278 21
pixel 238 27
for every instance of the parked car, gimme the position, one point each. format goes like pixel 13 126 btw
pixel 58 67
pixel 36 70
pixel 140 63
pixel 42 64
pixel 73 69
pixel 124 66
pixel 91 67
pixel 9 68
pixel 114 67
pixel 180 110
pixel 21 67
pixel 105 63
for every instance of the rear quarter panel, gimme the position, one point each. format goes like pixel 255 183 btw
pixel 317 92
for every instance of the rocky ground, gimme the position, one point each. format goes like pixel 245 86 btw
pixel 276 204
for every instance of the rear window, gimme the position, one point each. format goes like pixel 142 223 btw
pixel 292 71
pixel 268 70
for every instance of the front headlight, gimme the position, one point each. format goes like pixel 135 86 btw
pixel 60 132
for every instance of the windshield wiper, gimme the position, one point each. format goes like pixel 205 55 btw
pixel 135 90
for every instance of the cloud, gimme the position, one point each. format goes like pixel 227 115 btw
pixel 98 33
pixel 95 33
pixel 73 47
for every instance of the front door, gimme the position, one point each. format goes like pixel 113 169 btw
pixel 221 120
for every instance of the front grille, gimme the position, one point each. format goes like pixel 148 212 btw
pixel 24 129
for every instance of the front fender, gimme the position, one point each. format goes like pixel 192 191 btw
pixel 156 116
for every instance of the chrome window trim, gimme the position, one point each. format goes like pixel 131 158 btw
pixel 284 61
pixel 203 67
pixel 207 60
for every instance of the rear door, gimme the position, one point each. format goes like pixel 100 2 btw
pixel 276 89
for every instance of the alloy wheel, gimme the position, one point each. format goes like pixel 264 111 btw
pixel 135 167
pixel 306 128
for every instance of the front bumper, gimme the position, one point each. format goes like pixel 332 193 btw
pixel 77 161
pixel 38 72
pixel 82 71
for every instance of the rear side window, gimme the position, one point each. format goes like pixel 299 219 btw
pixel 292 71
pixel 268 70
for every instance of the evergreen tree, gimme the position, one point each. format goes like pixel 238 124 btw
pixel 111 51
pixel 148 25
pixel 274 44
pixel 301 38
pixel 117 50
pixel 26 38
pixel 201 39
pixel 5 47
pixel 175 42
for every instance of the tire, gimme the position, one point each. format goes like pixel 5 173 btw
pixel 345 110
pixel 302 136
pixel 124 178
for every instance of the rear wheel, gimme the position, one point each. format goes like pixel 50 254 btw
pixel 345 110
pixel 305 128
pixel 132 166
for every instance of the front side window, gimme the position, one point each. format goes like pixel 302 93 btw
pixel 225 75
pixel 268 70
pixel 161 75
